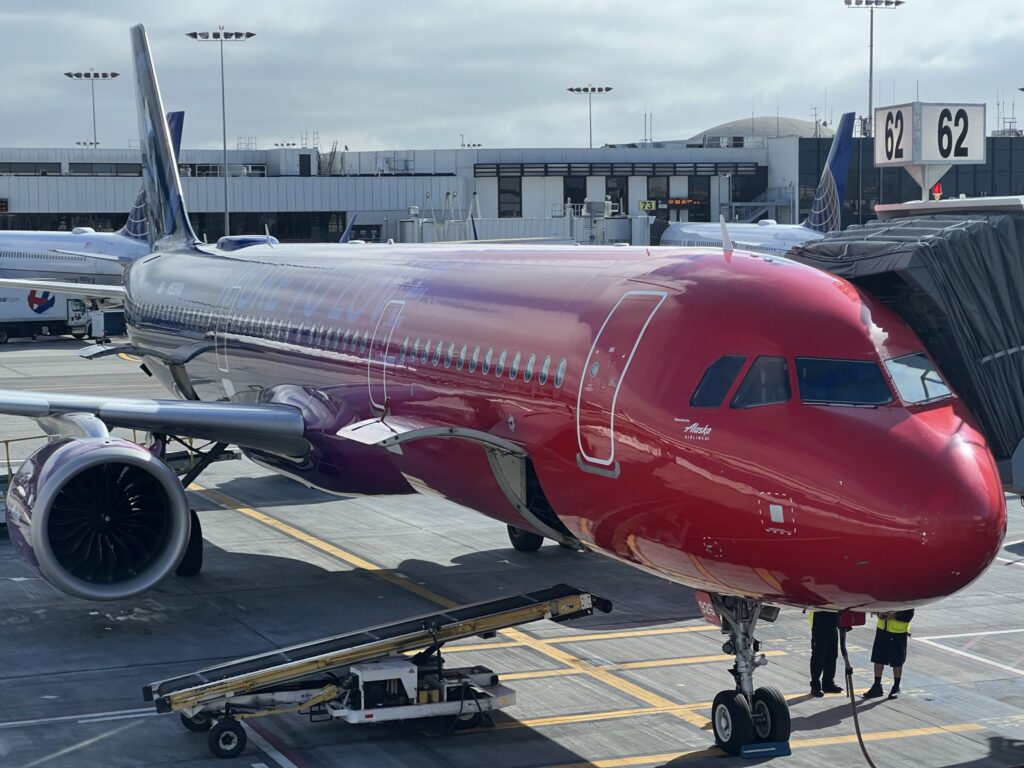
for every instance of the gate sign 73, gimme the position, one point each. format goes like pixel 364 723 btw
pixel 929 134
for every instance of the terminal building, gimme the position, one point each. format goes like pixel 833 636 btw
pixel 748 169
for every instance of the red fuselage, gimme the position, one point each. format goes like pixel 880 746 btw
pixel 588 358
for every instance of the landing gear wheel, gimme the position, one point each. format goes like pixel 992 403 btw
pixel 731 721
pixel 192 563
pixel 198 723
pixel 771 715
pixel 227 738
pixel 524 541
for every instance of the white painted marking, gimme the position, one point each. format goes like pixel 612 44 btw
pixel 974 657
pixel 117 717
pixel 272 752
pixel 69 718
pixel 1008 561
pixel 970 634
pixel 260 765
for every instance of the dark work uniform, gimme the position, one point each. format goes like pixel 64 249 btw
pixel 824 648
pixel 890 646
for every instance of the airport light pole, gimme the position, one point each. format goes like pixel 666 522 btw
pixel 92 76
pixel 590 90
pixel 219 37
pixel 867 127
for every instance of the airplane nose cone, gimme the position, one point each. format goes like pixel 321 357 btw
pixel 961 519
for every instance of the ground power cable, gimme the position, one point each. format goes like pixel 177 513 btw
pixel 850 693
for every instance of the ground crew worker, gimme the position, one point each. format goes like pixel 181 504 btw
pixel 890 648
pixel 824 652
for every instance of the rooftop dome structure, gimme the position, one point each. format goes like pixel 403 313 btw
pixel 749 127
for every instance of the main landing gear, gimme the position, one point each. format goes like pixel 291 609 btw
pixel 745 715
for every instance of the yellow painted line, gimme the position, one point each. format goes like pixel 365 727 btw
pixel 306 538
pixel 449 648
pixel 627 633
pixel 540 673
pixel 906 733
pixel 668 757
pixel 649 664
pixel 588 717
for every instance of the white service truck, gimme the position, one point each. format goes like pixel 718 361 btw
pixel 39 312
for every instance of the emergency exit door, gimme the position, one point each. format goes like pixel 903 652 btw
pixel 602 375
pixel 381 353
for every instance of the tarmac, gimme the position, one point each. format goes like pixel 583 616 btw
pixel 285 564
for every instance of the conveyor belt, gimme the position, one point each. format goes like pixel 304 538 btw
pixel 283 668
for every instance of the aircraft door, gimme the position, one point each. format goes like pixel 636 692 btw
pixel 223 322
pixel 602 376
pixel 382 354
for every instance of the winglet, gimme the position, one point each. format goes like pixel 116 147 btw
pixel 347 234
pixel 167 219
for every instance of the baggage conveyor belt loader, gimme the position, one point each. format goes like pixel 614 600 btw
pixel 389 672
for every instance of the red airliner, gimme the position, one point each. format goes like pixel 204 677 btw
pixel 744 425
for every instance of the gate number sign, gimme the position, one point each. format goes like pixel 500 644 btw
pixel 926 134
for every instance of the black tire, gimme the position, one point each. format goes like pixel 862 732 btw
pixel 731 721
pixel 471 716
pixel 770 715
pixel 198 724
pixel 78 334
pixel 4 336
pixel 524 541
pixel 192 563
pixel 227 738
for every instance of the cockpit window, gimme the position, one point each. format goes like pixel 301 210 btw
pixel 766 382
pixel 841 382
pixel 916 379
pixel 717 381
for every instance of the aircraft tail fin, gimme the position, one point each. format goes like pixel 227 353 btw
pixel 166 218
pixel 347 234
pixel 826 211
pixel 135 227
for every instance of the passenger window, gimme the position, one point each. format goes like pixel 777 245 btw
pixel 513 371
pixel 717 381
pixel 766 382
pixel 474 359
pixel 426 352
pixel 437 353
pixel 560 373
pixel 545 367
pixel 486 368
pixel 841 382
pixel 528 373
pixel 462 357
pixel 405 351
pixel 415 351
pixel 500 367
pixel 449 355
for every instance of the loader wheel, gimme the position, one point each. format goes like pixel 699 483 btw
pixel 227 738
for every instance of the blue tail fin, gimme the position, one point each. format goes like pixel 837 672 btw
pixel 135 227
pixel 826 211
pixel 347 234
pixel 167 219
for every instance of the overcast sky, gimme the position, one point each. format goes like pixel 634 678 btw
pixel 395 74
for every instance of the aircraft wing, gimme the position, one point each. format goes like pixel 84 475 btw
pixel 126 260
pixel 82 290
pixel 272 427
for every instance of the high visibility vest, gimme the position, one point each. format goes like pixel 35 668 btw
pixel 894 625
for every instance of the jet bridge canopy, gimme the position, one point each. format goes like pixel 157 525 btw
pixel 957 278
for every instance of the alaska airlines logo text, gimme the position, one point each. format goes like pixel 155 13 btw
pixel 42 301
pixel 695 430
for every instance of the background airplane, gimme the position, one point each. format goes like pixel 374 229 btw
pixel 83 255
pixel 768 237
pixel 753 428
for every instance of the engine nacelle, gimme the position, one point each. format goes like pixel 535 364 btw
pixel 101 518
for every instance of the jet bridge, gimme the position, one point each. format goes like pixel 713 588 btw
pixel 388 672
pixel 954 270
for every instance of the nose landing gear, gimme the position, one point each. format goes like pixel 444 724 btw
pixel 746 715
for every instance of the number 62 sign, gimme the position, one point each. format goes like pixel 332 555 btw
pixel 927 134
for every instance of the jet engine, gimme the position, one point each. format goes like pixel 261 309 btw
pixel 100 517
